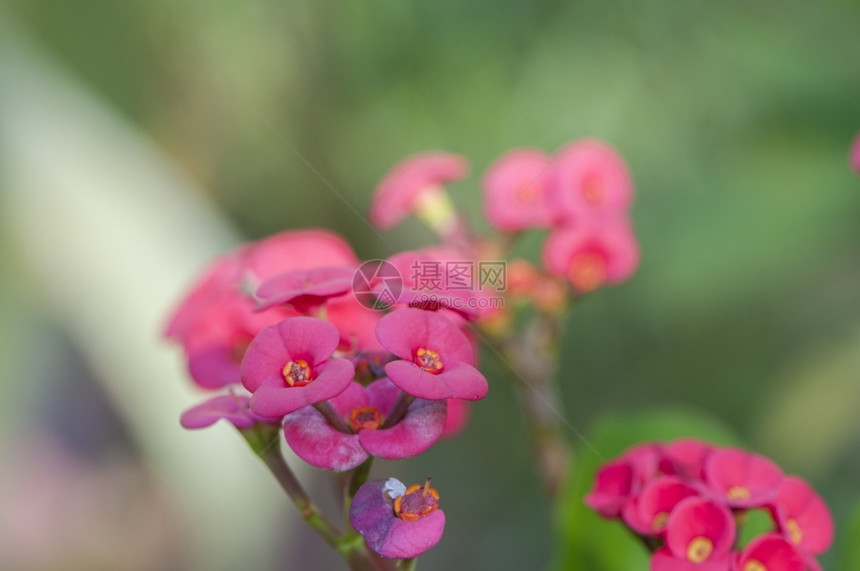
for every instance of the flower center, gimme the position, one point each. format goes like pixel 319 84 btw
pixel 587 271
pixel 699 549
pixel 794 531
pixel 753 565
pixel 365 418
pixel 528 193
pixel 418 502
pixel 659 521
pixel 592 190
pixel 298 373
pixel 428 360
pixel 738 493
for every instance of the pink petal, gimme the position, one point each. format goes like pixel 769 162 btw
pixel 412 538
pixel 315 441
pixel 663 560
pixel 320 282
pixel 515 189
pixel 395 196
pixel 612 238
pixel 405 330
pixel 458 381
pixel 232 408
pixel 796 500
pixel 274 399
pixel 295 250
pixel 773 552
pixel 731 468
pixel 700 517
pixel 415 433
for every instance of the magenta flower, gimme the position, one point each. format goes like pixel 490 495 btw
pixel 686 457
pixel 802 516
pixel 216 322
pixel 590 179
pixel 232 407
pixel 515 188
pixel 769 552
pixel 288 366
pixel 614 486
pixel 436 357
pixel 414 183
pixel 317 442
pixel 294 250
pixel 304 289
pixel 854 157
pixel 396 521
pixel 742 479
pixel 699 537
pixel 592 253
pixel 648 513
pixel 356 323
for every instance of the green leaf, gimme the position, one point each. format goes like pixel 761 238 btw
pixel 590 543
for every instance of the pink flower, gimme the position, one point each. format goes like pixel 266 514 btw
pixel 232 408
pixel 649 512
pixel 769 552
pixel 294 250
pixel 304 288
pixel 590 179
pixel 413 184
pixel 802 516
pixel 515 188
pixel 614 486
pixel 592 253
pixel 699 537
pixel 288 366
pixel 854 158
pixel 742 479
pixel 686 457
pixel 436 357
pixel 216 322
pixel 317 442
pixel 396 521
pixel 438 279
pixel 356 323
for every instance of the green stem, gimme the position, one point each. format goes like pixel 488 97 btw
pixel 264 440
pixel 408 564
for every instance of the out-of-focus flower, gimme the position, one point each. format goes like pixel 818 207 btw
pixel 686 457
pixel 216 321
pixel 397 522
pixel 854 154
pixel 589 179
pixel 436 357
pixel 457 419
pixel 515 189
pixel 232 407
pixel 648 513
pixel 742 479
pixel 304 289
pixel 365 410
pixel 769 552
pixel 802 516
pixel 414 186
pixel 699 537
pixel 288 366
pixel 592 253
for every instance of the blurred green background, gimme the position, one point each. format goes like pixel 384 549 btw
pixel 735 118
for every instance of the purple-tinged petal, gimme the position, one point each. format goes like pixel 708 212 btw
pixel 372 515
pixel 315 441
pixel 416 432
pixel 458 381
pixel 214 368
pixel 232 408
pixel 273 398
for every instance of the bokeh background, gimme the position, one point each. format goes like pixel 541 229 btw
pixel 138 139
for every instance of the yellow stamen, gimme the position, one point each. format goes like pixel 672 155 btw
pixel 659 521
pixel 699 549
pixel 738 493
pixel 365 418
pixel 428 360
pixel 794 531
pixel 434 208
pixel 753 565
pixel 587 271
pixel 297 373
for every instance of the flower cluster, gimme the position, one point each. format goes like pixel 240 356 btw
pixel 354 361
pixel 276 324
pixel 687 499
